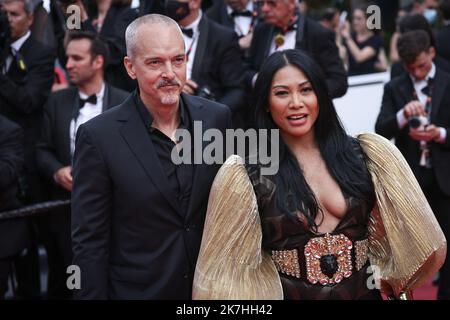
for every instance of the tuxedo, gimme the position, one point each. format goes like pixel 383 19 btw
pixel 218 12
pixel 132 239
pixel 311 37
pixel 397 93
pixel 53 153
pixel 53 147
pixel 218 64
pixel 435 182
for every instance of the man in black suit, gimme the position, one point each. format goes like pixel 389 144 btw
pixel 65 110
pixel 13 232
pixel 137 217
pixel 443 35
pixel 215 67
pixel 25 80
pixel 422 92
pixel 285 28
pixel 26 77
pixel 240 16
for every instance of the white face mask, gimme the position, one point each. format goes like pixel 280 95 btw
pixel 430 15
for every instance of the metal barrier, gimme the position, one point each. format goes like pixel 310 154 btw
pixel 359 107
pixel 33 209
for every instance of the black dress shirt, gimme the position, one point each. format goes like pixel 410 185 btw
pixel 179 176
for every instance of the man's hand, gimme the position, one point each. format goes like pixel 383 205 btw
pixel 428 133
pixel 414 108
pixel 63 177
pixel 190 87
pixel 245 41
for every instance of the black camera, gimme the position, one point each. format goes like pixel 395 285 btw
pixel 205 92
pixel 418 122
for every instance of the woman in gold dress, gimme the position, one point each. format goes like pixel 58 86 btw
pixel 343 218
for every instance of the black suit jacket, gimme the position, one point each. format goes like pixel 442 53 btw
pixel 113 33
pixel 13 232
pixel 397 93
pixel 53 147
pixel 218 64
pixel 218 13
pixel 442 42
pixel 130 237
pixel 311 37
pixel 23 93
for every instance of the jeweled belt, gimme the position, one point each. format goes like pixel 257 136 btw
pixel 329 259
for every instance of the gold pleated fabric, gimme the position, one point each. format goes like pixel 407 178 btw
pixel 231 264
pixel 405 240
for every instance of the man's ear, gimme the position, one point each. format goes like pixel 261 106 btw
pixel 432 52
pixel 99 62
pixel 127 61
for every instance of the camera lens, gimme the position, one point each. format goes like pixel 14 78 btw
pixel 414 122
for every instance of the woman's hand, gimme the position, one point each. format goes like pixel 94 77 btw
pixel 345 31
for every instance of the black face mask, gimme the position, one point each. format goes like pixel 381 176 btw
pixel 176 10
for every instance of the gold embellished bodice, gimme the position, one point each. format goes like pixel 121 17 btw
pixel 314 265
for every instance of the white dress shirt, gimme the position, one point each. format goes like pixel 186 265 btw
pixel 192 43
pixel 290 39
pixel 402 121
pixel 242 24
pixel 86 113
pixel 15 47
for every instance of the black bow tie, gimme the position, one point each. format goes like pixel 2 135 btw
pixel 426 90
pixel 245 13
pixel 291 27
pixel 188 32
pixel 91 99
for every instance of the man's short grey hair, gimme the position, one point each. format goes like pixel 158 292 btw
pixel 149 19
pixel 29 5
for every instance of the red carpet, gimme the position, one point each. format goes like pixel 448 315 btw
pixel 426 292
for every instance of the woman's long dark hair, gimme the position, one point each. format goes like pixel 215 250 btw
pixel 343 161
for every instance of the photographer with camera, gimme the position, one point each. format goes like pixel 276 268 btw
pixel 415 111
pixel 26 77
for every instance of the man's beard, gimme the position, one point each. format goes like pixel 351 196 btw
pixel 171 97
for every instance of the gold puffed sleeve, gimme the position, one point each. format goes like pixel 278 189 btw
pixel 406 243
pixel 231 264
